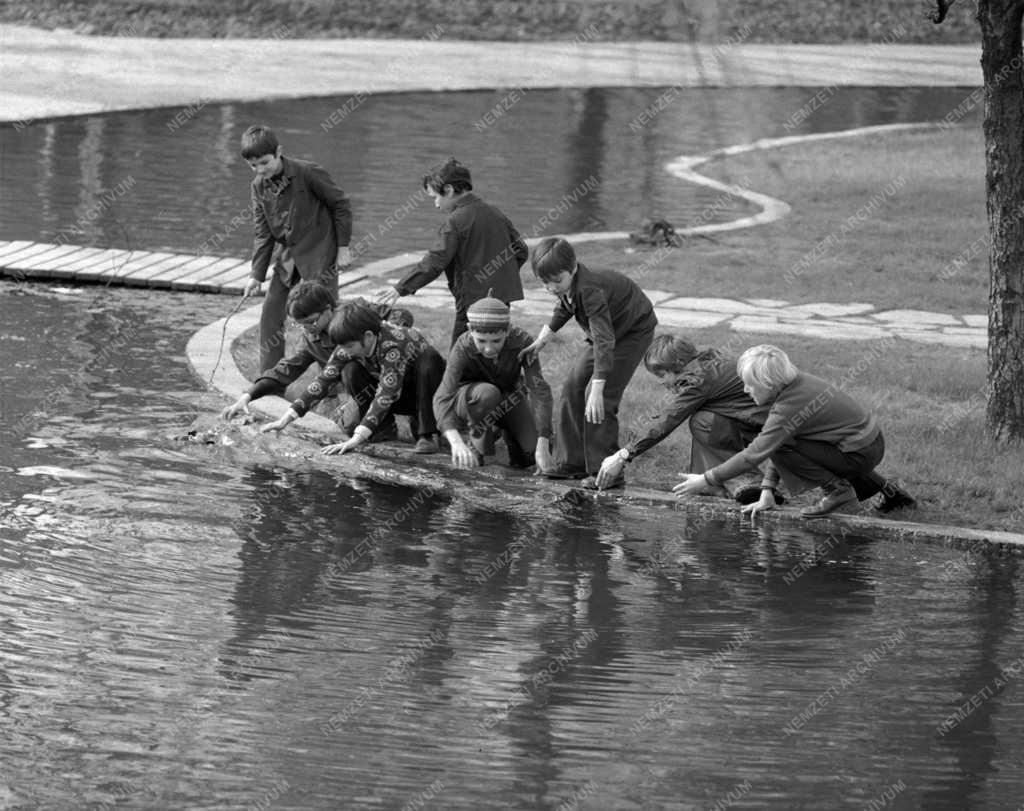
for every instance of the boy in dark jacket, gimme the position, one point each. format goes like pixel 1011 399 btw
pixel 303 221
pixel 478 249
pixel 619 323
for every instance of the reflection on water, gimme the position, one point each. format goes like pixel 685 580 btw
pixel 183 628
pixel 187 189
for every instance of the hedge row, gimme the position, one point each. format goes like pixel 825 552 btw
pixel 779 21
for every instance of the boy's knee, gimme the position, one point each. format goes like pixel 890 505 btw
pixel 481 400
pixel 702 424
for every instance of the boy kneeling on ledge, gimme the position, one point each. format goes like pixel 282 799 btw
pixel 814 435
pixel 385 368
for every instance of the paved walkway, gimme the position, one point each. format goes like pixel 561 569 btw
pixel 58 73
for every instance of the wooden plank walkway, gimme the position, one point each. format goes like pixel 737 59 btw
pixel 22 261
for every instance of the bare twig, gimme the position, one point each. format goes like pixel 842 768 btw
pixel 942 9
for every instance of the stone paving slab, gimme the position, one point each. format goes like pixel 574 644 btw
pixel 831 310
pixel 918 317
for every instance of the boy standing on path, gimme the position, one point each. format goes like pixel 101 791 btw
pixel 489 386
pixel 619 323
pixel 302 220
pixel 478 248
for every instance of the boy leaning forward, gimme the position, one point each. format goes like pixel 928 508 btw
pixel 618 320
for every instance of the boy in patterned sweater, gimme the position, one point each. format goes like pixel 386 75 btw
pixel 385 368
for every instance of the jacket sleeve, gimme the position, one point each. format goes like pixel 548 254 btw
pixel 263 242
pixel 541 401
pixel 519 249
pixel 681 404
pixel 447 393
pixel 776 431
pixel 560 317
pixel 437 259
pixel 602 333
pixel 324 383
pixel 330 194
pixel 396 360
pixel 287 371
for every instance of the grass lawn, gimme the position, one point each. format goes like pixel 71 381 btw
pixel 928 209
pixel 929 399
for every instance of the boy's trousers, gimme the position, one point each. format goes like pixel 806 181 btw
pixel 421 380
pixel 275 310
pixel 581 445
pixel 805 463
pixel 489 410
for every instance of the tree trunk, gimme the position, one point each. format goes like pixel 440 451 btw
pixel 1001 61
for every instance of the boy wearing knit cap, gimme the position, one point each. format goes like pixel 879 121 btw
pixel 490 387
pixel 478 249
pixel 619 323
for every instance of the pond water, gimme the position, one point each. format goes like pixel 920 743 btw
pixel 187 627
pixel 200 627
pixel 171 179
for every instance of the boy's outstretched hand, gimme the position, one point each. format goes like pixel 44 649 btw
pixel 594 411
pixel 529 352
pixel 344 257
pixel 611 467
pixel 388 296
pixel 764 504
pixel 240 406
pixel 542 456
pixel 287 419
pixel 359 436
pixel 693 484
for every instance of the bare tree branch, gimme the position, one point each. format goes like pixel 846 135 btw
pixel 943 7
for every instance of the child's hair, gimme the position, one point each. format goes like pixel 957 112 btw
pixel 258 141
pixel 766 365
pixel 667 353
pixel 450 173
pixel 550 257
pixel 307 298
pixel 352 321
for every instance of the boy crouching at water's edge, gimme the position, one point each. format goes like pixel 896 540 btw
pixel 491 386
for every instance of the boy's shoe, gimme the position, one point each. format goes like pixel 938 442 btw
pixel 565 473
pixel 388 432
pixel 747 493
pixel 590 483
pixel 838 493
pixel 893 497
pixel 427 444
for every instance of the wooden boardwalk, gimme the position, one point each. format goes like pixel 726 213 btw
pixel 24 261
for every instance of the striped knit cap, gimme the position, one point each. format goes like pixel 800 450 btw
pixel 488 313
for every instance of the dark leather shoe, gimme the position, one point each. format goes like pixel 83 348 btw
pixel 751 494
pixel 893 498
pixel 836 496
